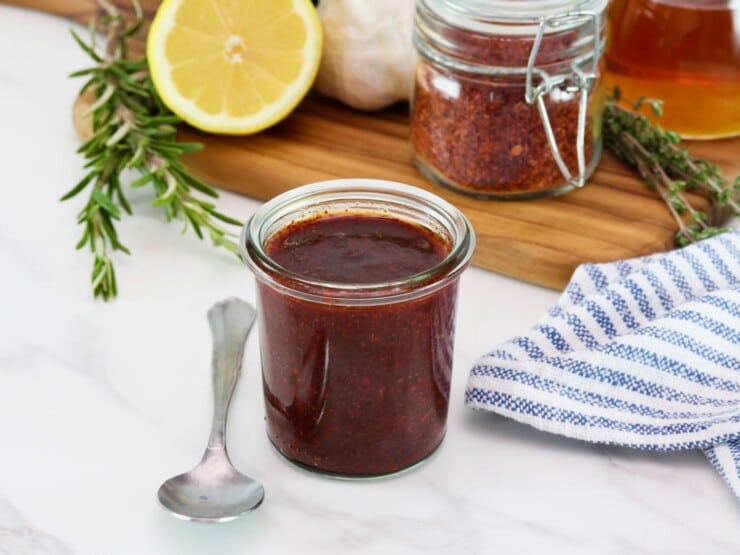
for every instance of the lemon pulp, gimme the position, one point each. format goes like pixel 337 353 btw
pixel 235 66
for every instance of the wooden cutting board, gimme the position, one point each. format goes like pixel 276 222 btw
pixel 540 241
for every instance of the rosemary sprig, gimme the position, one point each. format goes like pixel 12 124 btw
pixel 666 167
pixel 133 130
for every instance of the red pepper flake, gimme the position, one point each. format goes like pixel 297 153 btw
pixel 476 133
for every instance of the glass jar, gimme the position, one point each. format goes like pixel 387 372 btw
pixel 507 100
pixel 356 369
pixel 684 52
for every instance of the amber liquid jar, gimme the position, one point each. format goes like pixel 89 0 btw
pixel 508 100
pixel 684 52
pixel 356 375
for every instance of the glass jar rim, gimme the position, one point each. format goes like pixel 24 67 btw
pixel 299 202
pixel 510 17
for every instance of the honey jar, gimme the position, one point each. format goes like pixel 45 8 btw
pixel 684 52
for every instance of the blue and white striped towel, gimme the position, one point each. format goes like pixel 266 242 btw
pixel 643 353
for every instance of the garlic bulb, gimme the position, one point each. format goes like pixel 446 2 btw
pixel 368 58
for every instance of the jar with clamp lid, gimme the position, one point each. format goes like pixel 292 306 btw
pixel 507 98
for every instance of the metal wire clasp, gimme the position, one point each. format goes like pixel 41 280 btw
pixel 579 81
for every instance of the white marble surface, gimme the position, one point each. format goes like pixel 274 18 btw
pixel 100 402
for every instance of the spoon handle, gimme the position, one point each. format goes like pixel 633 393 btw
pixel 230 321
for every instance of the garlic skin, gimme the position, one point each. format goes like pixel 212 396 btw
pixel 368 58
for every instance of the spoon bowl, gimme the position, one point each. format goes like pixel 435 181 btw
pixel 214 491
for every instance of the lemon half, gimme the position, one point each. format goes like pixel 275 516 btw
pixel 234 66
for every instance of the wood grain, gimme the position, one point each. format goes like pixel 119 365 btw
pixel 540 241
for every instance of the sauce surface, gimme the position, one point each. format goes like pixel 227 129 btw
pixel 356 390
pixel 356 249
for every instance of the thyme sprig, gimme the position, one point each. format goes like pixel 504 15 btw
pixel 133 131
pixel 667 167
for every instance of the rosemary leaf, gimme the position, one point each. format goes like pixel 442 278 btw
pixel 133 130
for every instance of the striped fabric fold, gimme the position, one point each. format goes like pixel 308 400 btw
pixel 643 353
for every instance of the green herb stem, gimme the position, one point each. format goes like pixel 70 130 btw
pixel 667 167
pixel 134 130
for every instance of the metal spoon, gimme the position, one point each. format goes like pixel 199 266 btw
pixel 214 491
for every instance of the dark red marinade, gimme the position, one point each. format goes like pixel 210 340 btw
pixel 356 390
pixel 477 133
